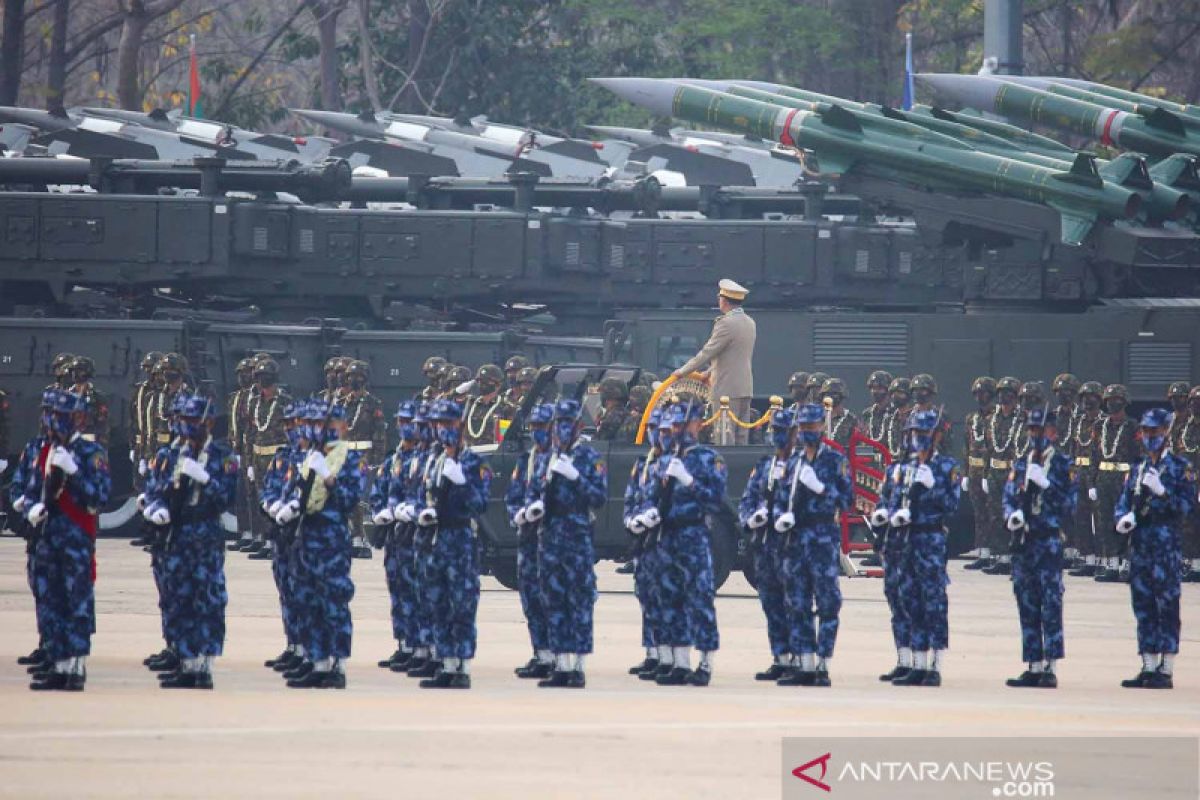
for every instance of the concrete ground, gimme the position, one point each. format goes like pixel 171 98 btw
pixel 506 738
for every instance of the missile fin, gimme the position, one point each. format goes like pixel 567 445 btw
pixel 830 163
pixel 1076 224
pixel 839 117
pixel 1083 171
pixel 1162 119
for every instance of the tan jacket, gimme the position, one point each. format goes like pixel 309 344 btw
pixel 729 350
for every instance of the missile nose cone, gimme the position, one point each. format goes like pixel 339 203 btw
pixel 653 94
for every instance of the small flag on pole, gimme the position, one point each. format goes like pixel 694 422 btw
pixel 194 106
pixel 906 102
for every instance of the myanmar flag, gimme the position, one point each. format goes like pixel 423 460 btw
pixel 194 107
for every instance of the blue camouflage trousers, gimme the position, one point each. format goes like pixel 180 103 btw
pixel 923 589
pixel 423 619
pixel 567 576
pixel 1154 555
pixel 530 590
pixel 645 586
pixel 454 591
pixel 771 591
pixel 687 588
pixel 809 571
pixel 194 568
pixel 894 554
pixel 63 580
pixel 31 578
pixel 324 588
pixel 400 567
pixel 1038 584
pixel 282 570
pixel 158 570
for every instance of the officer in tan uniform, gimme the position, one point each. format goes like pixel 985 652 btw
pixel 366 433
pixel 265 434
pixel 486 407
pixel 728 354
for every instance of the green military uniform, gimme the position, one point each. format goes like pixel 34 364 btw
pixel 143 392
pixel 639 398
pixel 874 417
pixel 614 397
pixel 1082 448
pixel 238 413
pixel 366 433
pixel 1003 435
pixel 485 408
pixel 264 435
pixel 1115 451
pixel 1187 445
pixel 1065 390
pixel 977 450
pixel 432 369
pixel 900 393
pixel 841 422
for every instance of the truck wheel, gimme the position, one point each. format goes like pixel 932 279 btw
pixel 504 569
pixel 724 549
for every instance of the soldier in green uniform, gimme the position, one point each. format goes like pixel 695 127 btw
pixel 1003 433
pixel 265 433
pixel 143 392
pixel 455 383
pixel 975 483
pixel 639 398
pixel 1177 396
pixel 1116 450
pixel 96 424
pixel 237 409
pixel 432 370
pixel 1187 445
pixel 900 396
pixel 813 384
pixel 840 422
pixel 875 416
pixel 798 389
pixel 366 433
pixel 60 368
pixel 512 370
pixel 614 399
pixel 1082 444
pixel 486 407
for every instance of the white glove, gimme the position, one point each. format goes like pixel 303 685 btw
pixel 62 459
pixel 878 518
pixel 141 502
pixel 160 516
pixel 133 459
pixel 404 512
pixel 1037 474
pixel 1126 523
pixel 191 467
pixel 250 473
pixel 924 476
pixel 427 517
pixel 535 511
pixel 634 525
pixel 650 518
pixel 3 464
pixel 678 471
pixel 808 476
pixel 778 470
pixel 757 519
pixel 965 484
pixel 287 512
pixel 453 471
pixel 143 468
pixel 519 517
pixel 1092 494
pixel 785 522
pixel 273 509
pixel 383 516
pixel 37 514
pixel 316 462
pixel 20 503
pixel 1016 520
pixel 901 518
pixel 563 466
pixel 1153 482
pixel 983 485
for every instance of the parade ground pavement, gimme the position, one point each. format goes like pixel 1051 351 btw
pixel 506 738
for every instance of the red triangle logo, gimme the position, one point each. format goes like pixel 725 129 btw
pixel 799 772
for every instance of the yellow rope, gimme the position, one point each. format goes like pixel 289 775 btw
pixel 725 410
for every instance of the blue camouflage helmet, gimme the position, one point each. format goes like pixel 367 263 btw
pixel 69 403
pixel 783 418
pixel 809 413
pixel 422 415
pixel 289 411
pixel 568 409
pixel 655 418
pixel 445 411
pixel 337 412
pixel 315 409
pixel 683 412
pixel 49 398
pixel 922 420
pixel 541 414
pixel 177 403
pixel 196 405
pixel 1157 418
pixel 1040 418
pixel 406 410
pixel 664 419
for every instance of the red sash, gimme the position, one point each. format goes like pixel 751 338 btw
pixel 88 522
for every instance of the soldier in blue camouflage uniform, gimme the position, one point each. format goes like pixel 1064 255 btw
pixel 756 513
pixel 815 488
pixel 642 479
pixel 1159 494
pixel 24 472
pixel 692 487
pixel 575 485
pixel 1039 495
pixel 68 488
pixel 330 482
pixel 386 498
pixel 424 662
pixel 275 482
pixel 892 546
pixel 187 508
pixel 455 494
pixel 527 478
pixel 920 515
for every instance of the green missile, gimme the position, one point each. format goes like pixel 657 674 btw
pixel 1147 107
pixel 1124 94
pixel 897 150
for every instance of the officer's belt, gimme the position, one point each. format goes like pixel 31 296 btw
pixel 1001 464
pixel 976 461
pixel 266 449
pixel 88 437
pixel 359 445
pixel 1114 466
pixel 1083 461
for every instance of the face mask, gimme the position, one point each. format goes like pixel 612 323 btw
pixel 564 432
pixel 781 438
pixel 192 430
pixel 1154 443
pixel 62 425
pixel 920 441
pixel 488 388
pixel 293 437
pixel 983 399
pixel 1031 403
pixel 541 437
pixel 357 383
pixel 1065 397
pixel 1008 397
pixel 245 379
pixel 810 437
pixel 924 396
pixel 408 431
pixel 1091 402
pixel 666 439
pixel 1038 442
pixel 652 437
pixel 899 400
pixel 1114 405
pixel 448 436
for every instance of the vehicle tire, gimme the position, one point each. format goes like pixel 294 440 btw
pixel 724 548
pixel 504 570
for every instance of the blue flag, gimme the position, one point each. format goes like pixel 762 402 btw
pixel 906 102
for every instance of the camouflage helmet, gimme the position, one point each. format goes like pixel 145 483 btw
pixel 1116 390
pixel 268 366
pixel 489 373
pixel 834 386
pixel 150 360
pixel 639 397
pixel 356 367
pixel 332 363
pixel 1091 387
pixel 1033 389
pixel 647 378
pixel 613 389
pixel 457 375
pixel 61 363
pixel 83 364
pixel 261 355
pixel 798 379
pixel 432 366
pixel 174 362
pixel 1194 393
pixel 1008 383
pixel 526 375
pixel 245 365
pixel 816 380
pixel 1178 389
pixel 879 377
pixel 1065 382
pixel 516 363
pixel 925 381
pixel 983 383
pixel 900 384
pixel 344 362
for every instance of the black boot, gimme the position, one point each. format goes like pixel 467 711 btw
pixel 1159 680
pixel 648 663
pixel 35 657
pixel 263 554
pixel 300 672
pixel 980 563
pixel 871 560
pixel 998 567
pixel 1026 679
pixel 447 680
pixel 896 673
pixel 1139 681
pixel 822 678
pixel 1108 575
pixel 319 680
pixel 423 668
pixel 559 679
pixel 914 677
pixel 798 677
pixel 677 676
pixel 535 669
pixel 187 680
pixel 1048 680
pixel 155 656
pixel 59 682
pixel 701 676
pixel 651 674
pixel 288 664
pixel 1083 571
pixel 386 663
pixel 771 673
pixel 168 663
pixel 628 568
pixel 932 678
pixel 271 662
